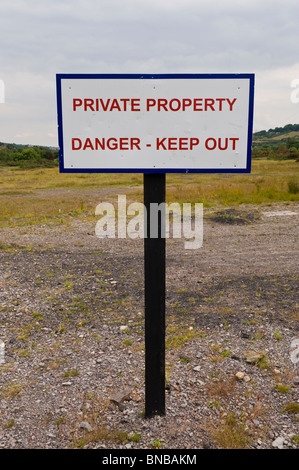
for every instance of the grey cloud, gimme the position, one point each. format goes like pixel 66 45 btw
pixel 39 39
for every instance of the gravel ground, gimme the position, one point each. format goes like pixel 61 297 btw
pixel 72 328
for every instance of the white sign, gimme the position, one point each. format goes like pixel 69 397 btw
pixel 155 123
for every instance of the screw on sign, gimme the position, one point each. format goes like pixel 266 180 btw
pixel 155 124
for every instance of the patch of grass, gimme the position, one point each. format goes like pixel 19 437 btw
pixel 263 363
pixel 37 316
pixel 9 424
pixel 232 433
pixel 214 404
pixel 233 216
pixel 26 331
pixel 71 373
pixel 101 434
pixel 213 190
pixel 282 388
pixel 277 335
pixel 225 353
pixel 177 337
pixel 135 437
pixel 223 387
pixel 24 352
pixel 184 360
pixel 293 186
pixel 11 391
pixel 60 329
pixel 60 421
pixel 68 285
pixel 226 310
pixel 292 408
pixel 168 369
pixel 157 444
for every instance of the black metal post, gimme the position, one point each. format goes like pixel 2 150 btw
pixel 154 274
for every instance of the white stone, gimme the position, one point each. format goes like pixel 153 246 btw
pixel 240 375
pixel 85 425
pixel 278 443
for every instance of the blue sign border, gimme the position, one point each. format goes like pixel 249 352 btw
pixel 246 76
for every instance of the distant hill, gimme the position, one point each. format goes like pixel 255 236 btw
pixel 278 132
pixel 279 143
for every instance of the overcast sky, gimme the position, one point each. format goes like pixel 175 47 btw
pixel 39 38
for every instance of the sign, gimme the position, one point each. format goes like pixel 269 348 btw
pixel 155 123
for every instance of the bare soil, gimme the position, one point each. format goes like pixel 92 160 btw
pixel 66 297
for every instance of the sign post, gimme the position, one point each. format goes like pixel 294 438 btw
pixel 154 276
pixel 155 124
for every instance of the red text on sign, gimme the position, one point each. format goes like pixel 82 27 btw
pixel 176 143
pixel 194 104
pixel 222 143
pixel 98 104
pixel 120 143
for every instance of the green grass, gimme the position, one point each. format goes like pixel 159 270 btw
pixel 292 408
pixel 177 337
pixel 282 388
pixel 25 197
pixel 232 433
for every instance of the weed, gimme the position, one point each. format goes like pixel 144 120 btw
pixel 135 437
pixel 60 329
pixel 157 444
pixel 68 285
pixel 263 363
pixel 168 370
pixel 291 408
pixel 24 352
pixel 214 404
pixel 60 421
pixel 223 387
pixel 11 391
pixel 226 310
pixel 232 433
pixel 177 337
pixel 282 388
pixel 37 316
pixel 225 353
pixel 185 360
pixel 293 186
pixel 277 335
pixel 9 424
pixel 71 373
pixel 101 434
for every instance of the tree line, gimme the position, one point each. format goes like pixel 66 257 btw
pixel 25 156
